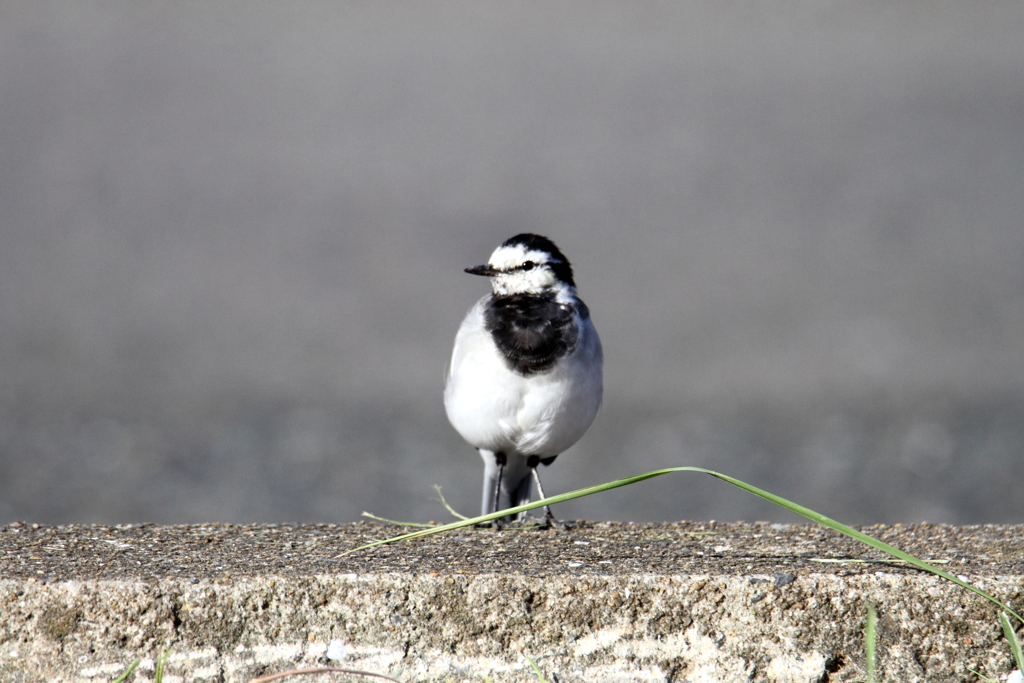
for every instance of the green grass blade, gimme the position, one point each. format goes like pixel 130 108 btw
pixel 870 642
pixel 561 498
pixel 396 522
pixel 863 538
pixel 536 670
pixel 452 511
pixel 1011 636
pixel 128 671
pixel 770 497
pixel 161 664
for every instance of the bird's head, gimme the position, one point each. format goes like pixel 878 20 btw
pixel 527 264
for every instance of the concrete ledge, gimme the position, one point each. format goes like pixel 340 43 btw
pixel 600 602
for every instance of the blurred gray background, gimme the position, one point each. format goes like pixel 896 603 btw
pixel 232 237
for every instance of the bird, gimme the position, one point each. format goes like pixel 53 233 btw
pixel 525 379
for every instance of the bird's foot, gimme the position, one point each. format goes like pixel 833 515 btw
pixel 547 521
pixel 550 522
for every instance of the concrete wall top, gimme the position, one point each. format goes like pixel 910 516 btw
pixel 596 602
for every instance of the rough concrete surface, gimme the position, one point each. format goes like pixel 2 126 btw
pixel 595 602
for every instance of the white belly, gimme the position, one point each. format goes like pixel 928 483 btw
pixel 495 409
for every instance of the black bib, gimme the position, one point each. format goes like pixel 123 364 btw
pixel 532 331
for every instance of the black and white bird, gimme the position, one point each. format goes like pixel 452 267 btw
pixel 525 378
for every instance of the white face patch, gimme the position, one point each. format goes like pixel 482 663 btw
pixel 514 280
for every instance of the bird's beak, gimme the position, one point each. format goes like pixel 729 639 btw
pixel 486 270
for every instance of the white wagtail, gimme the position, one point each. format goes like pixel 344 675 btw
pixel 524 382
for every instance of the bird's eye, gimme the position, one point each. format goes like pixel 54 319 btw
pixel 528 265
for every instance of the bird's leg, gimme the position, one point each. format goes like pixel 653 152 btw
pixel 500 459
pixel 532 462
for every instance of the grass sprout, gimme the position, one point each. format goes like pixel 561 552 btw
pixel 158 677
pixel 870 642
pixel 536 670
pixel 161 664
pixel 128 671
